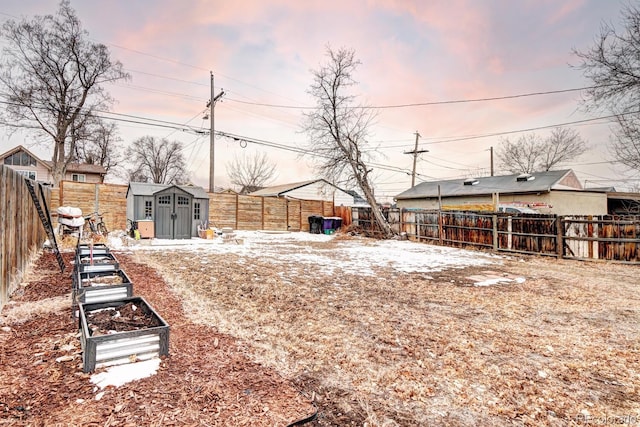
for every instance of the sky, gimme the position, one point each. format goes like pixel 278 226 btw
pixel 263 53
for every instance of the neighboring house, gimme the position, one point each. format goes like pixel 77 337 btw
pixel 558 192
pixel 29 165
pixel 317 189
pixel 623 203
pixel 167 211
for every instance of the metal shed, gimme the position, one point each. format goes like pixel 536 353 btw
pixel 167 211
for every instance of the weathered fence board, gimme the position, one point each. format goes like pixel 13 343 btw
pixel 21 233
pixel 223 210
pixel 249 213
pixel 294 218
pixel 274 214
pixel 604 237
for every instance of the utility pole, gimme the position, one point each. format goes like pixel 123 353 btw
pixel 212 135
pixel 491 149
pixel 415 153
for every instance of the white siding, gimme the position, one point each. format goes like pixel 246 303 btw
pixel 321 191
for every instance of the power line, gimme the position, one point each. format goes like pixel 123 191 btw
pixel 467 138
pixel 422 104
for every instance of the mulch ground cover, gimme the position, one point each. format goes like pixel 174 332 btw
pixel 206 380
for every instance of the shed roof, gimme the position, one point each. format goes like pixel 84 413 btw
pixel 538 182
pixel 149 189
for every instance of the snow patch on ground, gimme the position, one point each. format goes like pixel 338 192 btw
pixel 349 256
pixel 123 374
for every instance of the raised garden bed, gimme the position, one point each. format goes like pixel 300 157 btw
pixel 101 262
pixel 99 286
pixel 84 249
pixel 119 332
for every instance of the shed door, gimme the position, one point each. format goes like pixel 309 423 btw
pixel 164 211
pixel 173 217
pixel 182 217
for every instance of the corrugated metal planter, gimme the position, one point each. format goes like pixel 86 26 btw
pixel 104 349
pixel 84 249
pixel 102 262
pixel 99 286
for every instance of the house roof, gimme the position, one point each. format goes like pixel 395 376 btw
pixel 16 149
pixel 80 167
pixel 280 190
pixel 72 167
pixel 149 189
pixel 538 182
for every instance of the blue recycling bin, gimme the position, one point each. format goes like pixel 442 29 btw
pixel 337 223
pixel 327 225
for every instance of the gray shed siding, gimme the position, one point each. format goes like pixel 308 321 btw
pixel 139 194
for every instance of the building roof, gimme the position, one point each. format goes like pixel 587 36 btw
pixel 279 190
pixel 538 182
pixel 80 167
pixel 72 167
pixel 16 149
pixel 149 189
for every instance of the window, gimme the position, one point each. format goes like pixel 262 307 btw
pixel 164 200
pixel 20 159
pixel 196 210
pixel 79 177
pixel 28 174
pixel 148 209
pixel 183 201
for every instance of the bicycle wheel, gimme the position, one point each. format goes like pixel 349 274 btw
pixel 102 229
pixel 86 228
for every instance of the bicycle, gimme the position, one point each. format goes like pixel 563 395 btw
pixel 95 227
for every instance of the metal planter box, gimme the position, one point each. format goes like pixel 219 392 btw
pixel 84 249
pixel 121 347
pixel 102 262
pixel 100 286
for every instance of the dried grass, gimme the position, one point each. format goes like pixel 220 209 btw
pixel 20 312
pixel 407 349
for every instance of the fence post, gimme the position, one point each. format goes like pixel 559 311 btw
pixel 495 232
pixel 559 237
pixel 440 227
pixel 96 197
pixel 262 213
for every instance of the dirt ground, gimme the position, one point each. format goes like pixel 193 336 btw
pixel 259 342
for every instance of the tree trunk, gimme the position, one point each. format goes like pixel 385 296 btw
pixel 381 221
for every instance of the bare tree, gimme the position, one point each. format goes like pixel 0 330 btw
pixel 613 66
pixel 99 145
pixel 338 129
pixel 520 156
pixel 250 173
pixel 52 76
pixel 531 153
pixel 156 160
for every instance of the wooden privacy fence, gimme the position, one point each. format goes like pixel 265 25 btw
pixel 264 213
pixel 110 200
pixel 239 212
pixel 575 237
pixel 21 232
